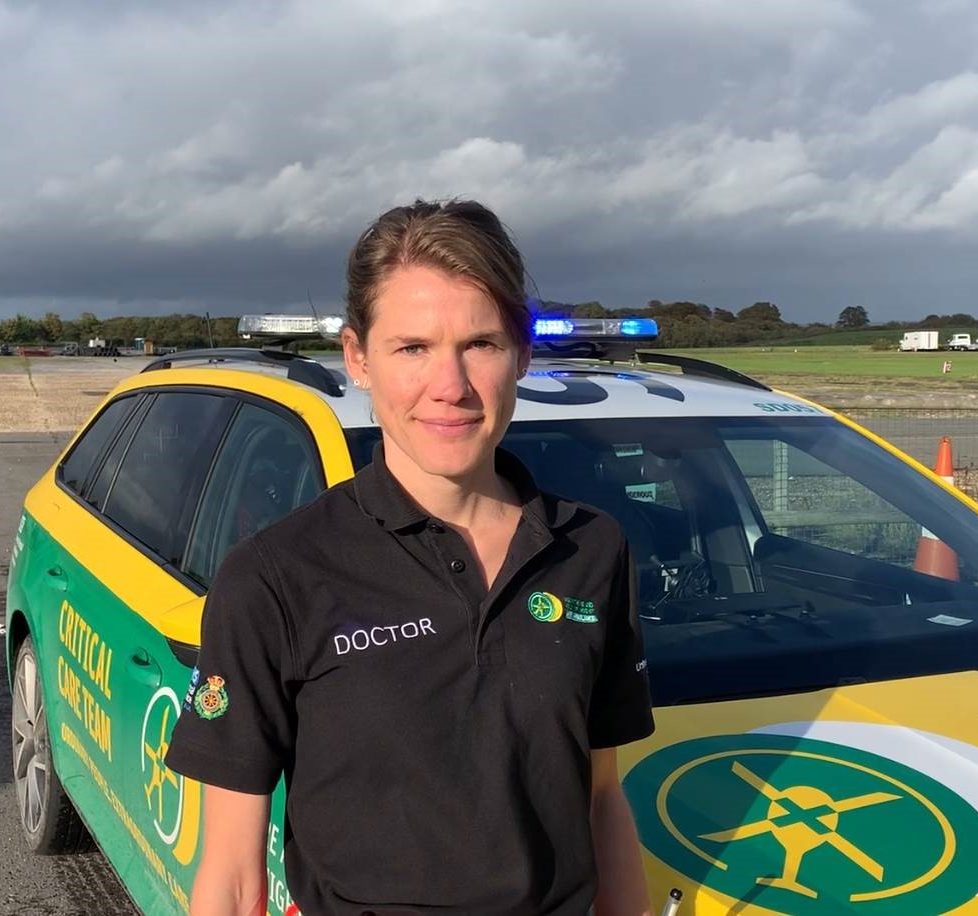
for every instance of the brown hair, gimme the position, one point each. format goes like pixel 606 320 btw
pixel 461 237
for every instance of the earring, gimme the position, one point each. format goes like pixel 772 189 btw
pixel 356 383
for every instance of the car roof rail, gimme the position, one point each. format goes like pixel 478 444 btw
pixel 699 367
pixel 300 368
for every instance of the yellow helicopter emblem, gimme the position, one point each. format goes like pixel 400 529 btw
pixel 802 818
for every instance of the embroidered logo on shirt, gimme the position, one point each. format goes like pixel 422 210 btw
pixel 580 611
pixel 212 701
pixel 545 607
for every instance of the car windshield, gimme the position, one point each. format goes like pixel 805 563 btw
pixel 773 555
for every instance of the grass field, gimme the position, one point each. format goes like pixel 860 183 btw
pixel 860 337
pixel 842 362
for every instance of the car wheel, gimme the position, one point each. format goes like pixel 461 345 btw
pixel 50 822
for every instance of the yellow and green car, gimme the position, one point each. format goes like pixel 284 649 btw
pixel 808 598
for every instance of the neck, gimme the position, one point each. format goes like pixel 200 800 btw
pixel 461 502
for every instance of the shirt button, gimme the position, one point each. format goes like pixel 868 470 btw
pixel 457 566
pixel 435 528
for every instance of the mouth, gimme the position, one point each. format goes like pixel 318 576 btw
pixel 451 428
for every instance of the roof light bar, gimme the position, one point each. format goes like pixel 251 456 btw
pixel 278 326
pixel 590 328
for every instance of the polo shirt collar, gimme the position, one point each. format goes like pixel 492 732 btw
pixel 381 497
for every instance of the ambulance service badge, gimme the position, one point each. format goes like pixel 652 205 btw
pixel 212 701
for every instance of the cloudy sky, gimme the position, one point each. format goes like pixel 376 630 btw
pixel 160 156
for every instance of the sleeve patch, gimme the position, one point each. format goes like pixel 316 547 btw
pixel 211 699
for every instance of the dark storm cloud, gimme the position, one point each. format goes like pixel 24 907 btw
pixel 224 155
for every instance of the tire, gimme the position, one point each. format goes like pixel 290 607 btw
pixel 48 818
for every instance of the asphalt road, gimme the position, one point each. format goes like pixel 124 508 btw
pixel 31 885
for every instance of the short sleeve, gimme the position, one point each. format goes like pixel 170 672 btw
pixel 236 725
pixel 621 710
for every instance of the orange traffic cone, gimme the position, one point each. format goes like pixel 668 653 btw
pixel 934 557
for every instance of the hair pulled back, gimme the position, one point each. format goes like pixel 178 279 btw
pixel 461 237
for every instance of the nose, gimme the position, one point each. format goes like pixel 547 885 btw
pixel 449 380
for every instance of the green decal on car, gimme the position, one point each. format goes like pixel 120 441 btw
pixel 806 827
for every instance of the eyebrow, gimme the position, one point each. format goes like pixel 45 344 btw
pixel 403 339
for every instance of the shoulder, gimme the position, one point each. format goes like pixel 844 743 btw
pixel 332 509
pixel 583 523
pixel 319 522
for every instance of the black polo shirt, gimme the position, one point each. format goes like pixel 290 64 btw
pixel 434 737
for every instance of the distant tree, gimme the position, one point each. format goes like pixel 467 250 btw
pixel 588 310
pixel 225 332
pixel 678 311
pixel 20 329
pixel 724 315
pixel 51 327
pixel 958 320
pixel 549 307
pixel 88 326
pixel 853 316
pixel 760 313
pixel 120 330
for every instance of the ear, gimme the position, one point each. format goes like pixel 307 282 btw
pixel 354 356
pixel 523 361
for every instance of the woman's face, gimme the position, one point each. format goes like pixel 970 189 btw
pixel 441 371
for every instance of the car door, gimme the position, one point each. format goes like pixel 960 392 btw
pixel 141 499
pixel 267 465
pixel 71 645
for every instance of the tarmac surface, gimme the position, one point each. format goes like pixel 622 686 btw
pixel 82 885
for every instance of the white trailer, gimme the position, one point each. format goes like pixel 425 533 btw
pixel 919 340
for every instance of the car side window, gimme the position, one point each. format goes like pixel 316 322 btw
pixel 158 483
pixel 98 489
pixel 268 466
pixel 77 467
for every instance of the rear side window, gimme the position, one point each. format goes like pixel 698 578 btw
pixel 79 464
pixel 156 488
pixel 268 466
pixel 98 489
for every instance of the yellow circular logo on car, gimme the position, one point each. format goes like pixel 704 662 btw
pixel 806 827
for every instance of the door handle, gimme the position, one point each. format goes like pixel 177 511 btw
pixel 144 668
pixel 56 579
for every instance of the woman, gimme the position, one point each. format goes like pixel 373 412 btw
pixel 399 648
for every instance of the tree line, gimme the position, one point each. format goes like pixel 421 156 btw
pixel 182 331
pixel 681 324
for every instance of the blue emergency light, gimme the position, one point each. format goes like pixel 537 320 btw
pixel 570 329
pixel 552 327
pixel 640 327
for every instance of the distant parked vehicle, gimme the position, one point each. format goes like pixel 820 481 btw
pixel 95 347
pixel 962 342
pixel 919 340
